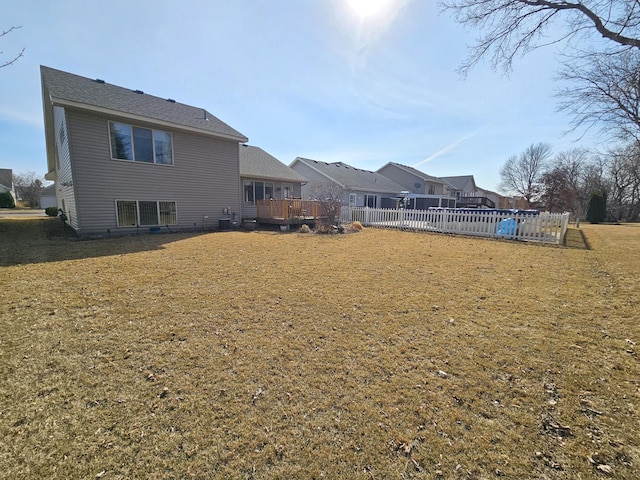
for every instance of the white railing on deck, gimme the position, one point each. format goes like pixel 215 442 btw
pixel 542 227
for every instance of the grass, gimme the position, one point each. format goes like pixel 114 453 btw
pixel 378 354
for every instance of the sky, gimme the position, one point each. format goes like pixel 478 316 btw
pixel 331 80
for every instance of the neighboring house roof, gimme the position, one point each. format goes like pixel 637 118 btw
pixel 256 163
pixel 353 178
pixel 415 172
pixel 459 182
pixel 67 89
pixel 6 179
pixel 49 190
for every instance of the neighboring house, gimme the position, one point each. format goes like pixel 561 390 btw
pixel 425 191
pixel 468 194
pixel 363 187
pixel 265 177
pixel 48 197
pixel 123 160
pixel 6 182
pixel 460 186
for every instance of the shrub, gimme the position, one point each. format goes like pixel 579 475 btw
pixel 597 209
pixel 51 211
pixel 6 200
pixel 304 229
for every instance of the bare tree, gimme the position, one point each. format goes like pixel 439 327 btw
pixel 14 59
pixel 568 182
pixel 600 40
pixel 622 183
pixel 515 27
pixel 28 188
pixel 604 92
pixel 331 197
pixel 522 174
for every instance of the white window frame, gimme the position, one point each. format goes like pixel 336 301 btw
pixel 133 150
pixel 366 200
pixel 137 213
pixel 252 184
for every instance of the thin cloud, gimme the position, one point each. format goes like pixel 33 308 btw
pixel 448 148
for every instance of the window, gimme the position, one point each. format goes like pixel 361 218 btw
pixel 127 214
pixel 352 199
pixel 287 192
pixel 148 213
pixel 140 144
pixel 168 214
pixel 132 213
pixel 370 201
pixel 254 191
pixel 432 189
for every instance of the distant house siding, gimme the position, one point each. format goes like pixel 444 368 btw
pixel 65 180
pixel 409 181
pixel 403 178
pixel 203 180
pixel 311 175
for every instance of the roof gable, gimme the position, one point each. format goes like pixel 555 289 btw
pixel 460 182
pixel 65 88
pixel 353 178
pixel 255 162
pixel 414 171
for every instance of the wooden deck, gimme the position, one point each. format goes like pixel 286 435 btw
pixel 288 212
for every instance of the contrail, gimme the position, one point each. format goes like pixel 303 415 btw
pixel 442 151
pixel 450 147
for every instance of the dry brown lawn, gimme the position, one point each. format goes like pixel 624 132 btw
pixel 380 354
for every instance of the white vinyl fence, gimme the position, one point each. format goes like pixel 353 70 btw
pixel 542 227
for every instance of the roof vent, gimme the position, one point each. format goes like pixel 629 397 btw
pixel 138 91
pixel 99 80
pixel 171 100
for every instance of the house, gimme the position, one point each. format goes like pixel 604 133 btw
pixel 466 193
pixel 48 197
pixel 265 177
pixel 6 182
pixel 362 188
pixel 125 161
pixel 423 191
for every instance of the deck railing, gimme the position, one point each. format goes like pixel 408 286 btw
pixel 464 202
pixel 542 227
pixel 287 209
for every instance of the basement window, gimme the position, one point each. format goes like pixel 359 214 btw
pixel 134 213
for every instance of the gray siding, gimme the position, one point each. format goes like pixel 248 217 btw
pixel 311 175
pixel 408 180
pixel 65 192
pixel 403 177
pixel 203 180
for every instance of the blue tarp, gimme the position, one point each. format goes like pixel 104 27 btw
pixel 507 227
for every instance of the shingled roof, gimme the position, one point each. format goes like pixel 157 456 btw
pixel 415 172
pixel 67 89
pixel 353 178
pixel 256 163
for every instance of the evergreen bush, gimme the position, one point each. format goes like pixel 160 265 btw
pixel 597 209
pixel 6 200
pixel 51 211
